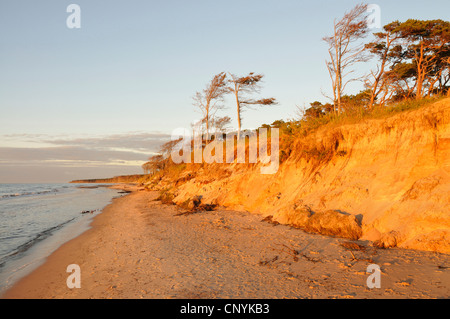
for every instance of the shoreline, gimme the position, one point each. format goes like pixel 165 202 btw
pixel 140 248
pixel 125 187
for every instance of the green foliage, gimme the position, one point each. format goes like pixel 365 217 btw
pixel 404 105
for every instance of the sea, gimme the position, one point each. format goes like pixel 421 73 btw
pixel 36 219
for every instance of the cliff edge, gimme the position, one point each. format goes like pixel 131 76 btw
pixel 383 180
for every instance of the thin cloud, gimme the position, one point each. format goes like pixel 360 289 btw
pixel 141 142
pixel 66 153
pixel 80 157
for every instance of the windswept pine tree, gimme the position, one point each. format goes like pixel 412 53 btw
pixel 414 60
pixel 208 100
pixel 242 87
pixel 345 50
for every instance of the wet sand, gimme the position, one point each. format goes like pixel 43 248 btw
pixel 140 248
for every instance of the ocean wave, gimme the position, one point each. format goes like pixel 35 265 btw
pixel 27 245
pixel 13 195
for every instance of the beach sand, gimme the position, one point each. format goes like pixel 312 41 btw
pixel 140 248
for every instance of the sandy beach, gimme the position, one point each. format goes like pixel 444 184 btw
pixel 140 248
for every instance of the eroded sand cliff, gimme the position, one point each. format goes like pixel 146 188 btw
pixel 384 180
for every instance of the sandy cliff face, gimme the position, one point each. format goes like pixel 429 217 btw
pixel 386 180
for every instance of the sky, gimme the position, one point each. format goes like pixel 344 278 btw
pixel 97 101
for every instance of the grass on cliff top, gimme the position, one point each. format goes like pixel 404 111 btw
pixel 294 134
pixel 356 115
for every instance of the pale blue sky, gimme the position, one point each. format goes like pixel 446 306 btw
pixel 134 66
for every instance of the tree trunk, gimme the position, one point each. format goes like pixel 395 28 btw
pixel 375 90
pixel 419 86
pixel 338 75
pixel 338 91
pixel 339 79
pixel 207 127
pixel 238 114
pixel 420 73
pixel 207 124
